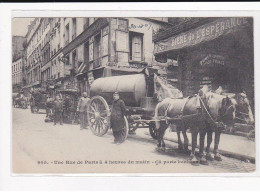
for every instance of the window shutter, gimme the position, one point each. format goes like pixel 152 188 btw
pixel 137 48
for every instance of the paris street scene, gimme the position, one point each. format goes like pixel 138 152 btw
pixel 133 95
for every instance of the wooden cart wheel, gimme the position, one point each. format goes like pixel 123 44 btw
pixel 98 115
pixel 153 130
pixel 125 130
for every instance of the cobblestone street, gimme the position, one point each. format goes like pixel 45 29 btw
pixel 40 147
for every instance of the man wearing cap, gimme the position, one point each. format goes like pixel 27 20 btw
pixel 82 109
pixel 117 118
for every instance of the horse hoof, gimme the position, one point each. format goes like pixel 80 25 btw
pixel 209 157
pixel 203 161
pixel 194 161
pixel 218 158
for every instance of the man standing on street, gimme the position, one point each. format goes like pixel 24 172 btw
pixel 117 118
pixel 82 109
pixel 58 109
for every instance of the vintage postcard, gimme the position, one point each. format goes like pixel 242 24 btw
pixel 133 95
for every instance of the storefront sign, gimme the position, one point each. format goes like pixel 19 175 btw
pixel 201 34
pixel 212 60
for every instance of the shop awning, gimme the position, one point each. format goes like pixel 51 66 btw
pixel 206 32
pixel 82 69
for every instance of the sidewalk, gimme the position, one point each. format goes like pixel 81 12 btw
pixel 230 145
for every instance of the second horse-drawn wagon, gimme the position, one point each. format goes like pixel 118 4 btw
pixel 138 91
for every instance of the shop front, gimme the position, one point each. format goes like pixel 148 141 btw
pixel 218 53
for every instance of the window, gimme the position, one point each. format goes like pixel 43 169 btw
pixel 67 60
pixel 74 59
pixel 97 46
pixel 67 33
pixel 86 52
pixel 136 46
pixel 74 28
pixel 86 23
pixel 58 46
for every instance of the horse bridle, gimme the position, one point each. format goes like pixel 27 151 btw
pixel 216 121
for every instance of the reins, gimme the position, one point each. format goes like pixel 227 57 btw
pixel 205 108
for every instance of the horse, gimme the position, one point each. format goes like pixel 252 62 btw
pixel 193 113
pixel 244 113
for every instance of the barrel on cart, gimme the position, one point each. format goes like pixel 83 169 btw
pixel 135 90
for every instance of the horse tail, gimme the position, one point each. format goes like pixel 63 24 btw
pixel 157 123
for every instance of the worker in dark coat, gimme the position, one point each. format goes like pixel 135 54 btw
pixel 117 118
pixel 58 110
pixel 82 109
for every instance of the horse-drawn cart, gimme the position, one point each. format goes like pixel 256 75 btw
pixel 38 100
pixel 70 100
pixel 136 90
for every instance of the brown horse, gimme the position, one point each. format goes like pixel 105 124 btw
pixel 199 114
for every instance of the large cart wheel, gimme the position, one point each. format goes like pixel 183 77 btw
pixel 125 130
pixel 98 115
pixel 153 130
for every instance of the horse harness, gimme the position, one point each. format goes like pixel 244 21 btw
pixel 202 107
pixel 181 116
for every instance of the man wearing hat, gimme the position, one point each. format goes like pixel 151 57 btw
pixel 117 118
pixel 82 109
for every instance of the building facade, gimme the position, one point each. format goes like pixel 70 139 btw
pixel 97 47
pixel 18 54
pixel 17 74
pixel 70 53
pixel 209 51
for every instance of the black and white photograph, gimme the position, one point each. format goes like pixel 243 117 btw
pixel 133 95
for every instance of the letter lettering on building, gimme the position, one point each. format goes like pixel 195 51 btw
pixel 203 32
pixel 207 31
pixel 212 28
pixel 222 28
pixel 217 27
pixel 233 22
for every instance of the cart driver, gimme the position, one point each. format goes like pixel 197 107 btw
pixel 117 118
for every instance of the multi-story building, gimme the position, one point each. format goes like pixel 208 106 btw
pixel 33 66
pixel 208 51
pixel 18 43
pixel 17 74
pixel 72 52
pixel 18 47
pixel 96 47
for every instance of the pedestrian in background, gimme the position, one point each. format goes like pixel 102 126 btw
pixel 117 118
pixel 82 109
pixel 58 109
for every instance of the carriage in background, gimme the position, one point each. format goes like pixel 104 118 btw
pixel 138 91
pixel 70 101
pixel 19 100
pixel 38 100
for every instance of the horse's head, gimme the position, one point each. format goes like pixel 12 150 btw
pixel 243 108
